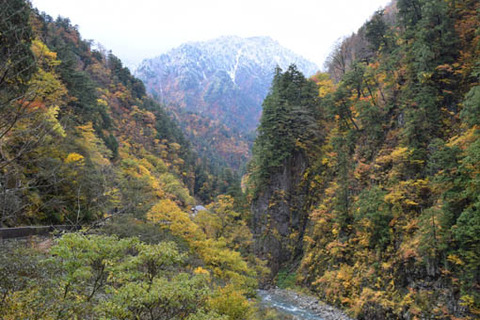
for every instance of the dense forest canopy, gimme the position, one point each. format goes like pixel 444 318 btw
pixel 393 185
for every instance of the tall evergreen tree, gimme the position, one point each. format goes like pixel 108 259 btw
pixel 288 121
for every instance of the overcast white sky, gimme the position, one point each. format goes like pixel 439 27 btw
pixel 139 29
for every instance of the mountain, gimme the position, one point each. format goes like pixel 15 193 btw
pixel 215 91
pixel 225 78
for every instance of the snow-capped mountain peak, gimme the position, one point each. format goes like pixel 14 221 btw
pixel 225 79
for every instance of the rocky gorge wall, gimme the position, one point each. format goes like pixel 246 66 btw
pixel 279 214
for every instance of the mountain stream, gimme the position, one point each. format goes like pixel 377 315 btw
pixel 293 306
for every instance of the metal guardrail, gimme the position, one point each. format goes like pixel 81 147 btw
pixel 23 232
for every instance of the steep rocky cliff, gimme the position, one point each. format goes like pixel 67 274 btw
pixel 279 214
pixel 289 130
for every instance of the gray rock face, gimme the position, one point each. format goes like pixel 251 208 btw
pixel 225 78
pixel 280 215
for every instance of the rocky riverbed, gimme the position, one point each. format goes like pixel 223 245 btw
pixel 299 306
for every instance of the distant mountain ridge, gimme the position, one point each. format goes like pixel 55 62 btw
pixel 224 79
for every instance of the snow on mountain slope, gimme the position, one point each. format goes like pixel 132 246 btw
pixel 225 79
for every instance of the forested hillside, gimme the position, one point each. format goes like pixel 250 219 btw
pixel 79 136
pixel 81 144
pixel 378 173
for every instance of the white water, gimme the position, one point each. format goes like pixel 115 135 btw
pixel 285 306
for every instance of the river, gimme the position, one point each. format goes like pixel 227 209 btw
pixel 291 305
